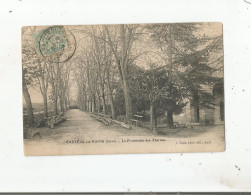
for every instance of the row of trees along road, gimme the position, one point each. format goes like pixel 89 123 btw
pixel 50 79
pixel 126 69
pixel 129 69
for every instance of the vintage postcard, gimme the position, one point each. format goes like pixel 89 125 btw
pixel 127 88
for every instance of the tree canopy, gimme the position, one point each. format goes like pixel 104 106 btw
pixel 129 68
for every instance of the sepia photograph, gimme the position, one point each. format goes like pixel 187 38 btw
pixel 125 88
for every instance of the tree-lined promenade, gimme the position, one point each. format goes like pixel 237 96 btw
pixel 126 70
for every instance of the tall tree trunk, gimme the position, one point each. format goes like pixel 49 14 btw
pixel 55 89
pixel 110 95
pixel 170 119
pixel 98 103
pixel 151 116
pixel 93 105
pixel 155 122
pixel 66 104
pixel 170 54
pixel 195 104
pixel 55 101
pixel 44 95
pixel 112 107
pixel 128 102
pixel 28 104
pixel 55 106
pixel 126 92
pixel 124 72
pixel 103 101
pixel 122 58
pixel 44 88
pixel 84 101
pixel 103 104
pixel 88 105
pixel 45 104
pixel 170 73
pixel 155 117
pixel 61 102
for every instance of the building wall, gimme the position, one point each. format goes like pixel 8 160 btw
pixel 211 116
pixel 219 100
pixel 206 116
pixel 218 93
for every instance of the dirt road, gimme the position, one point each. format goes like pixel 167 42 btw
pixel 80 126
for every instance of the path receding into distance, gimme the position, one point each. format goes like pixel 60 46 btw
pixel 80 126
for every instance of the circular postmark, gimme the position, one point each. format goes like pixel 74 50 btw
pixel 56 45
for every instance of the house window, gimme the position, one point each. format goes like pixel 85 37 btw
pixel 222 111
